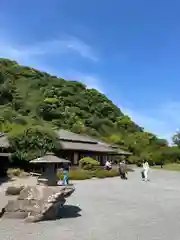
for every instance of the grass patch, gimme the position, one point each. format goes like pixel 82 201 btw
pixel 169 167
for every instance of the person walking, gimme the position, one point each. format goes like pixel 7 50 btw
pixel 146 170
pixel 122 170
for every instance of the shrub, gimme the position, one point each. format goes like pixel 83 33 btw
pixel 14 190
pixel 81 174
pixel 88 163
pixel 14 172
pixel 106 174
pixel 76 174
pixel 139 164
pixel 133 159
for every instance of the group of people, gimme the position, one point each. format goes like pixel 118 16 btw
pixel 122 168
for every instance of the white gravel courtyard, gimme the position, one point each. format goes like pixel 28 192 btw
pixel 111 209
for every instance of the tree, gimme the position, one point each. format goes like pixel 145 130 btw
pixel 33 141
pixel 115 139
pixel 176 139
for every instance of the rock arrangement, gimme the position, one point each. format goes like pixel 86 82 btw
pixel 38 203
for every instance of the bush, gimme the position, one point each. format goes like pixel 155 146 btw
pixel 133 159
pixel 88 163
pixel 14 172
pixel 106 174
pixel 76 174
pixel 14 190
pixel 81 174
pixel 139 164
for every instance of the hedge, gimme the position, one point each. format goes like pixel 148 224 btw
pixel 88 163
pixel 81 174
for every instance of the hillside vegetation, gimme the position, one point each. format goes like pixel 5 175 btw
pixel 32 103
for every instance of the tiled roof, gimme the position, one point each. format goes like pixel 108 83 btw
pixel 115 148
pixel 67 135
pixel 94 147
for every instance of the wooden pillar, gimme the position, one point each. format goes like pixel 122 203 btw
pixel 101 160
pixel 75 160
pixel 104 159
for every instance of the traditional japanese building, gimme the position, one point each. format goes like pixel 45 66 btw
pixel 74 146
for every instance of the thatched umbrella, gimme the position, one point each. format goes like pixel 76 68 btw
pixel 49 176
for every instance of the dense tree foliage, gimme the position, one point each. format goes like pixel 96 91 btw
pixel 30 142
pixel 32 101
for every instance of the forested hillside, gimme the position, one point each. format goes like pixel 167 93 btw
pixel 34 99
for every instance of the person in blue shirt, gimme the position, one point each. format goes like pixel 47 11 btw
pixel 65 174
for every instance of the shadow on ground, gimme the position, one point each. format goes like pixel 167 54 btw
pixel 67 211
pixel 70 211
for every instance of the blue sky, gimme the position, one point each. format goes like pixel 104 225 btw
pixel 128 50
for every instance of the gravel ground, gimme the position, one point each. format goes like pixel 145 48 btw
pixel 111 209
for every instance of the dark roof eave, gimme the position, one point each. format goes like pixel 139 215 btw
pixel 125 154
pixel 85 150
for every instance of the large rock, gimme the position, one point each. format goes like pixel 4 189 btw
pixel 38 203
pixel 14 190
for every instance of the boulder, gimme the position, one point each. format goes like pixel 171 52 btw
pixel 38 203
pixel 14 190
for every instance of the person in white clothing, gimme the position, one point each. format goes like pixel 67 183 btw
pixel 146 170
pixel 108 165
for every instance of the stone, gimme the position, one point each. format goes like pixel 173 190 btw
pixel 38 203
pixel 14 190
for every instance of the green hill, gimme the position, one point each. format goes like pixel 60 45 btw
pixel 27 92
pixel 28 96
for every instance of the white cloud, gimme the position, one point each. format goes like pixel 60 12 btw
pixel 162 121
pixel 91 81
pixel 81 47
pixel 65 45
